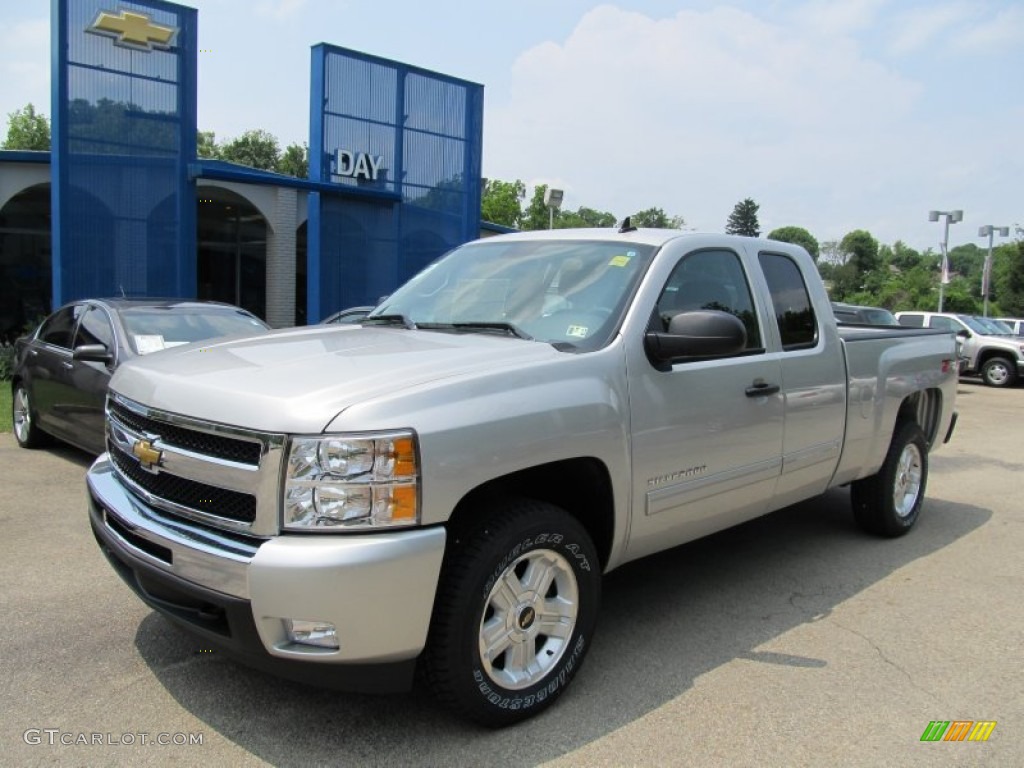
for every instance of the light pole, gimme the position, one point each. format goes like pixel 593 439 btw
pixel 553 200
pixel 989 230
pixel 949 216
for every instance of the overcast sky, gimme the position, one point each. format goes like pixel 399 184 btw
pixel 832 115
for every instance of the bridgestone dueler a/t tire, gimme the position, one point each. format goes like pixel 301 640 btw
pixel 889 502
pixel 515 613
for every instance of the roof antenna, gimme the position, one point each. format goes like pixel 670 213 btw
pixel 626 226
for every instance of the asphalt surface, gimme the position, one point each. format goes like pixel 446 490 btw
pixel 794 640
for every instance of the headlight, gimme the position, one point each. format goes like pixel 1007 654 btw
pixel 352 481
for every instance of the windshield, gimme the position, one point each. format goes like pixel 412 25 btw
pixel 566 292
pixel 984 326
pixel 151 329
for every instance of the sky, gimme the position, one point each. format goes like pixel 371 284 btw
pixel 833 115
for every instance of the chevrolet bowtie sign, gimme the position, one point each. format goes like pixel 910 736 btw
pixel 133 30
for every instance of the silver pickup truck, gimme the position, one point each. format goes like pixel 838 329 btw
pixel 443 486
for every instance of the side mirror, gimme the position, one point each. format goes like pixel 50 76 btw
pixel 92 353
pixel 964 333
pixel 700 334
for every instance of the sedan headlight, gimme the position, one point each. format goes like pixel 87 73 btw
pixel 352 481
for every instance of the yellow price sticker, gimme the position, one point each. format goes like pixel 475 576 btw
pixel 618 261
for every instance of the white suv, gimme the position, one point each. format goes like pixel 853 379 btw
pixel 986 350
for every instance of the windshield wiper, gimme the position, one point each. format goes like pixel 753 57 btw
pixel 501 327
pixel 401 320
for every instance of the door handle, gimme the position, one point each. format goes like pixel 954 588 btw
pixel 67 365
pixel 761 388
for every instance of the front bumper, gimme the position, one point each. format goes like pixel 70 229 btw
pixel 235 591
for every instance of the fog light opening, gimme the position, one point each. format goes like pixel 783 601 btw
pixel 319 634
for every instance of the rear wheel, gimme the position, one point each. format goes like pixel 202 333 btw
pixel 26 432
pixel 515 613
pixel 889 502
pixel 998 372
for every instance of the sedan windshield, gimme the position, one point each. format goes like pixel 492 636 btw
pixel 151 329
pixel 564 292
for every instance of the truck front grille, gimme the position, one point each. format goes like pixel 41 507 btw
pixel 222 476
pixel 243 451
pixel 219 502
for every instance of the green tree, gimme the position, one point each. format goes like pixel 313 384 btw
pixel 294 161
pixel 862 250
pixel 27 129
pixel 500 202
pixel 1008 278
pixel 743 219
pixel 206 145
pixel 586 217
pixel 904 257
pixel 256 148
pixel 657 219
pixel 796 236
pixel 536 215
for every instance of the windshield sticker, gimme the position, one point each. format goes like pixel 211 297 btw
pixel 619 261
pixel 147 343
pixel 577 331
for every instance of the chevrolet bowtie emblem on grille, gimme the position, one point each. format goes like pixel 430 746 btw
pixel 148 456
pixel 133 30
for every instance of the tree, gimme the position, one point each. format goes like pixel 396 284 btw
pixel 206 145
pixel 743 219
pixel 294 161
pixel 586 217
pixel 27 129
pixel 1008 278
pixel 499 202
pixel 256 148
pixel 796 236
pixel 831 253
pixel 656 218
pixel 863 252
pixel 536 215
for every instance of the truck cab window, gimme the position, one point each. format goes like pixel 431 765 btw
pixel 798 327
pixel 710 279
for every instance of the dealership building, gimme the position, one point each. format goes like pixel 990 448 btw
pixel 121 205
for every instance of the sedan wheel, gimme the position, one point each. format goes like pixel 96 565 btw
pixel 25 431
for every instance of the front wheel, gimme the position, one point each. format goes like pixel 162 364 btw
pixel 998 372
pixel 888 503
pixel 515 613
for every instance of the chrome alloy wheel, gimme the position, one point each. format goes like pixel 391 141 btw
pixel 528 619
pixel 907 485
pixel 22 415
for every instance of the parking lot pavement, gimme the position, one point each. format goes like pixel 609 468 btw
pixel 793 640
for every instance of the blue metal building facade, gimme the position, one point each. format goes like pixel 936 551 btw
pixel 395 161
pixel 403 147
pixel 123 134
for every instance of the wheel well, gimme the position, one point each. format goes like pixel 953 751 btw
pixel 987 354
pixel 580 486
pixel 924 408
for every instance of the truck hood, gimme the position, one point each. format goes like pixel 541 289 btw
pixel 299 380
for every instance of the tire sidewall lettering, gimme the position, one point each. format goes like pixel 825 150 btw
pixel 544 690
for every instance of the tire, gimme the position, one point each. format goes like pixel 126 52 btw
pixel 23 420
pixel 998 372
pixel 889 502
pixel 531 567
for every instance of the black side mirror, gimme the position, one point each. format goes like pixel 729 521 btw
pixel 700 334
pixel 92 353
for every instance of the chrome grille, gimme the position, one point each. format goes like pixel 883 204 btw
pixel 243 451
pixel 221 476
pixel 209 499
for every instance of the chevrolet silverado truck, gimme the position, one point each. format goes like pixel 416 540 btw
pixel 440 488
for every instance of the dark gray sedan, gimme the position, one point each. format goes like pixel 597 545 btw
pixel 61 371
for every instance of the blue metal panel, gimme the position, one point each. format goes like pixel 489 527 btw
pixel 124 132
pixel 426 131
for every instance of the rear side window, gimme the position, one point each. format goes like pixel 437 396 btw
pixel 791 302
pixel 912 321
pixel 945 324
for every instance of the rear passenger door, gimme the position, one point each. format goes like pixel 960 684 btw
pixel 49 366
pixel 813 380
